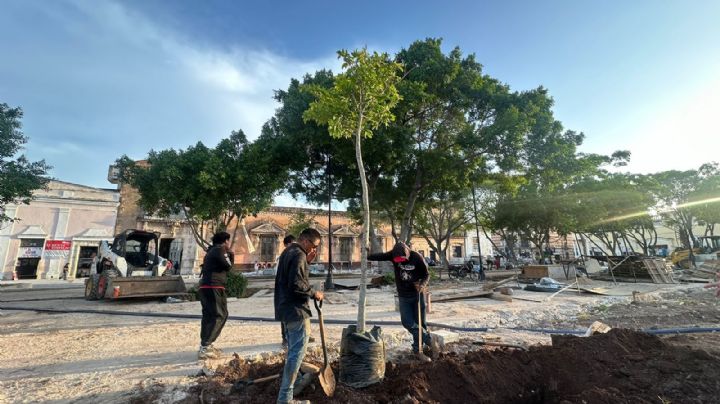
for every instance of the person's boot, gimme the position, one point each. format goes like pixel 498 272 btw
pixel 303 382
pixel 205 352
pixel 422 357
pixel 216 350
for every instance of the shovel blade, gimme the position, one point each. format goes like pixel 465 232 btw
pixel 327 381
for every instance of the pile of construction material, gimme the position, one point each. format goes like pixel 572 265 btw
pixel 705 272
pixel 641 268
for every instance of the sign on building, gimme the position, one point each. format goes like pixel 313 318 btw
pixel 29 252
pixel 57 249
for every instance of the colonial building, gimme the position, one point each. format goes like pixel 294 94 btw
pixel 258 239
pixel 62 225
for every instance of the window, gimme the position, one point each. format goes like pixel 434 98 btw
pixel 346 248
pixel 457 251
pixel 267 248
pixel 476 244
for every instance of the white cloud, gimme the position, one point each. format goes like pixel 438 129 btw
pixel 116 83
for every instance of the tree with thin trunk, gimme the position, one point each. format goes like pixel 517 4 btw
pixel 360 101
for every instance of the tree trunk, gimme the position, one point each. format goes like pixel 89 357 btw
pixel 365 228
pixel 406 225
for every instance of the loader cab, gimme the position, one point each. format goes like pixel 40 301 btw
pixel 139 248
pixel 709 244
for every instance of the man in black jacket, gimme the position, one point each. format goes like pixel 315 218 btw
pixel 411 280
pixel 218 261
pixel 289 239
pixel 292 294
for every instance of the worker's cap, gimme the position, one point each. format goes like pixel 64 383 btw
pixel 400 252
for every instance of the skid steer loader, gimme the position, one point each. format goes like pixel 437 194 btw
pixel 131 267
pixel 709 249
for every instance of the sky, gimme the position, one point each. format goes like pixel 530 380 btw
pixel 101 78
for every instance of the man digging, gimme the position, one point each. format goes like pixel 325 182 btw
pixel 292 293
pixel 411 279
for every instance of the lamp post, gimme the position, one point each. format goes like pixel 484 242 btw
pixel 329 284
pixel 477 228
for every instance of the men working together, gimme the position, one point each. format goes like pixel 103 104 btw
pixel 293 292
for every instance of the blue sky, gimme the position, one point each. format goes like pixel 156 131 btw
pixel 98 79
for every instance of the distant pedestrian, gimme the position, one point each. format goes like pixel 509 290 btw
pixel 490 261
pixel 65 271
pixel 216 265
pixel 292 294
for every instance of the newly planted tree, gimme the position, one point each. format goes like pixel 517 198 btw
pixel 360 101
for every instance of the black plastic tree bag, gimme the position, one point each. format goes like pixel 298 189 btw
pixel 362 357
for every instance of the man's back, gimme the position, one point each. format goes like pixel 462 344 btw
pixel 292 285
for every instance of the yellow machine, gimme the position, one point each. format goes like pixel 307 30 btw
pixel 709 250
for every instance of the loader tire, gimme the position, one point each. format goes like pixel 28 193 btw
pixel 104 280
pixel 91 287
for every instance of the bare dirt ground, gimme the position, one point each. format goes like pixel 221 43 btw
pixel 79 357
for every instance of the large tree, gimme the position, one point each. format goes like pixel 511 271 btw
pixel 614 211
pixel 681 195
pixel 209 187
pixel 444 216
pixel 551 164
pixel 452 120
pixel 19 177
pixel 705 199
pixel 360 102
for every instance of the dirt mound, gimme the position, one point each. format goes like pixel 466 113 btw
pixel 621 366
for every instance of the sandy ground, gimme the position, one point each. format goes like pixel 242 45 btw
pixel 62 358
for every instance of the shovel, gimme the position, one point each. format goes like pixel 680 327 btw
pixel 326 376
pixel 242 384
pixel 421 355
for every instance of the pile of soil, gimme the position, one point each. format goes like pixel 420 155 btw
pixel 621 366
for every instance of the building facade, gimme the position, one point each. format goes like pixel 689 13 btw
pixel 63 225
pixel 258 239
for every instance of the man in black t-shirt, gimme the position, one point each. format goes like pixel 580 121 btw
pixel 411 280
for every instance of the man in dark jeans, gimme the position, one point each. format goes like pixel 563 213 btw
pixel 292 294
pixel 218 261
pixel 289 239
pixel 411 280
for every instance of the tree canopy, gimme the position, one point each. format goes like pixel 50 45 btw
pixel 19 177
pixel 208 187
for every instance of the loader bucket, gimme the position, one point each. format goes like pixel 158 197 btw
pixel 144 286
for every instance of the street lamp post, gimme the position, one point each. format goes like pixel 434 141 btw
pixel 329 284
